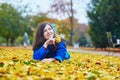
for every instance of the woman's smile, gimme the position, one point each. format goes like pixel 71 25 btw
pixel 48 32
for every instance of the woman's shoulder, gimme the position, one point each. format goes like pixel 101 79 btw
pixel 62 42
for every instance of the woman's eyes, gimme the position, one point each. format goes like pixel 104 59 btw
pixel 47 29
pixel 50 28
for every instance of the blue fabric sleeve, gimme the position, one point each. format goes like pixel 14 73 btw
pixel 62 53
pixel 40 53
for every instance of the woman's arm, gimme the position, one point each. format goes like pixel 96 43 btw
pixel 40 53
pixel 62 52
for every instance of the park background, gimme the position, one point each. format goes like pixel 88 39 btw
pixel 84 23
pixel 89 24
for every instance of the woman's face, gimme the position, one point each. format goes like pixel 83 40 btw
pixel 48 32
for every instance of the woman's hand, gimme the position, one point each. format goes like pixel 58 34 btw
pixel 49 41
pixel 48 60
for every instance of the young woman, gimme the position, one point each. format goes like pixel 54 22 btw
pixel 46 48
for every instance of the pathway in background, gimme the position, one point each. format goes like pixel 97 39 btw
pixel 95 52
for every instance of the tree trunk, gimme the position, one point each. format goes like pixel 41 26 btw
pixel 71 24
pixel 7 41
pixel 12 41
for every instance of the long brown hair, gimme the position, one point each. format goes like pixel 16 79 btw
pixel 39 38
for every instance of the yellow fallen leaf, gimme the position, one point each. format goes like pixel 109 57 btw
pixel 58 39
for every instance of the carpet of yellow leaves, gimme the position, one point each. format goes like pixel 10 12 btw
pixel 17 64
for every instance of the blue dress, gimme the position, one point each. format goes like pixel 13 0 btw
pixel 60 54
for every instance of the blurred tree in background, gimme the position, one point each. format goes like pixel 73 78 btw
pixel 62 7
pixel 82 40
pixel 103 17
pixel 63 29
pixel 10 23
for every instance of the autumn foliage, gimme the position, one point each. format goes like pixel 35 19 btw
pixel 17 64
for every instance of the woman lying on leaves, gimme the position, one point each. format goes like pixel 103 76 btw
pixel 48 46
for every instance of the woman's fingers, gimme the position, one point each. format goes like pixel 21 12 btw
pixel 52 41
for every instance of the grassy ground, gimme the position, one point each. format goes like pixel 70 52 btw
pixel 16 63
